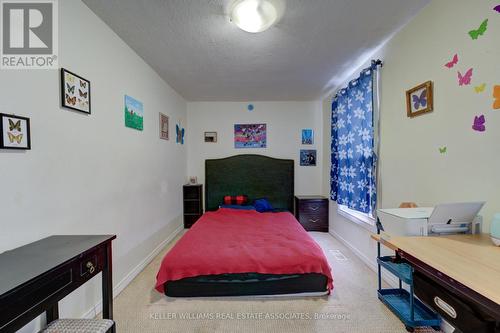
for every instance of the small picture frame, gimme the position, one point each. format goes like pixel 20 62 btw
pixel 308 157
pixel 134 113
pixel 211 137
pixel 307 136
pixel 15 132
pixel 419 100
pixel 193 180
pixel 164 126
pixel 75 92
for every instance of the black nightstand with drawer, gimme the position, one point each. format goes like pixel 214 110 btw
pixel 312 212
pixel 193 204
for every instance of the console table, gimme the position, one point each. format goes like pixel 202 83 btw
pixel 36 276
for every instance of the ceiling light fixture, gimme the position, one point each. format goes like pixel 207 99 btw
pixel 254 15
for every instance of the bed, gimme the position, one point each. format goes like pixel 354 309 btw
pixel 231 252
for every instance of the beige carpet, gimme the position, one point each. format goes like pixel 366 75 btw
pixel 353 306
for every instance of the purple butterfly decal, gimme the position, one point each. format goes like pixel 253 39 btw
pixel 479 123
pixel 420 101
pixel 497 8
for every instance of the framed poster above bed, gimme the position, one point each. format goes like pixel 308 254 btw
pixel 250 136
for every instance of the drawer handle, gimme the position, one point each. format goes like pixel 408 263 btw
pixel 314 220
pixel 90 267
pixel 448 309
pixel 315 208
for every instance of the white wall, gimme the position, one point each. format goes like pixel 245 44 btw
pixel 412 169
pixel 89 174
pixel 284 120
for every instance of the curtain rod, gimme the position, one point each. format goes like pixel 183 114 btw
pixel 375 64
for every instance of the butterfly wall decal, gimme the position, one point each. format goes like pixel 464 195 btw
pixel 17 138
pixel 480 88
pixel 70 100
pixel 497 8
pixel 479 123
pixel 496 96
pixel 420 101
pixel 464 79
pixel 179 134
pixel 443 150
pixel 71 89
pixel 83 94
pixel 14 126
pixel 83 84
pixel 453 62
pixel 474 34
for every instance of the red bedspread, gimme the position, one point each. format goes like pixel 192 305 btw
pixel 238 241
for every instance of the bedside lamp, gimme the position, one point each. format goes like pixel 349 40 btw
pixel 495 229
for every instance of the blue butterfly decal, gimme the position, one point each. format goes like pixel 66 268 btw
pixel 420 101
pixel 179 134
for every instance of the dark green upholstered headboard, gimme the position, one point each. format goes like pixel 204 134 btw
pixel 254 175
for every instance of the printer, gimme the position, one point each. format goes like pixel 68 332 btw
pixel 443 219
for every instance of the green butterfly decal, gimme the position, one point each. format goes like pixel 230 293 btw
pixel 474 34
pixel 443 150
pixel 71 89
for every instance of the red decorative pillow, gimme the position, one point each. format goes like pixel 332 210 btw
pixel 235 199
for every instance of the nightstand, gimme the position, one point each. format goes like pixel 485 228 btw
pixel 312 212
pixel 193 203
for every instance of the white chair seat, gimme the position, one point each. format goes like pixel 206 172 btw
pixel 79 326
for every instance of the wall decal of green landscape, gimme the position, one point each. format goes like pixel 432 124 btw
pixel 134 113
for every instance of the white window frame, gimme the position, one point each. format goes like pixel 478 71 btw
pixel 365 220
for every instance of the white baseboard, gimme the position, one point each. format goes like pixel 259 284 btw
pixel 390 279
pixel 120 286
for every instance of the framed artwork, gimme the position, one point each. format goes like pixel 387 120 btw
pixel 134 113
pixel 211 137
pixel 163 126
pixel 419 100
pixel 179 134
pixel 308 157
pixel 250 136
pixel 307 137
pixel 15 132
pixel 75 92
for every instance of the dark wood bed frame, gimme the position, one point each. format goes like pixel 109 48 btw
pixel 257 176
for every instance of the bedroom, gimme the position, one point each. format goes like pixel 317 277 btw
pixel 100 163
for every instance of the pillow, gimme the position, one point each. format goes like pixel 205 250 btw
pixel 238 207
pixel 263 205
pixel 235 199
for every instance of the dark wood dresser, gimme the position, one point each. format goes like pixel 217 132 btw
pixel 312 212
pixel 193 203
pixel 35 277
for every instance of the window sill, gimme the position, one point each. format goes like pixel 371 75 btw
pixel 363 221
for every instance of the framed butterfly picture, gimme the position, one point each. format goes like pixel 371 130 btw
pixel 419 100
pixel 15 132
pixel 75 91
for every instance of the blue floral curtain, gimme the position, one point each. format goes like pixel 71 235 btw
pixel 353 182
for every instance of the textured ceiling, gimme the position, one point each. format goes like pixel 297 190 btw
pixel 315 46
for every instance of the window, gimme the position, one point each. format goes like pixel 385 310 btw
pixel 354 215
pixel 354 154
